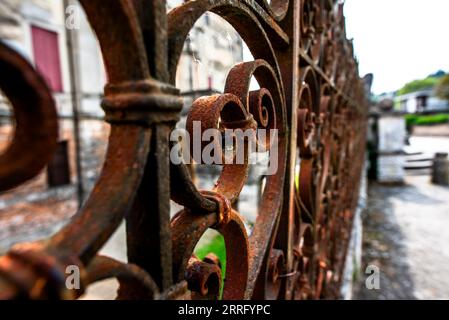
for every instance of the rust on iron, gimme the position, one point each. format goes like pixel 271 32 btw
pixel 36 127
pixel 204 279
pixel 309 90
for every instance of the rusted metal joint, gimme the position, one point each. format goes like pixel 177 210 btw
pixel 275 269
pixel 311 33
pixel 38 274
pixel 143 102
pixel 203 278
pixel 224 207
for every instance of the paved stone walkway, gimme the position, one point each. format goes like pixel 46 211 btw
pixel 407 236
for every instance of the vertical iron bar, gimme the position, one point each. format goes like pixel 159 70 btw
pixel 148 223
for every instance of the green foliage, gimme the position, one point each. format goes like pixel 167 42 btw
pixel 442 88
pixel 410 120
pixel 438 74
pixel 217 246
pixel 413 119
pixel 418 85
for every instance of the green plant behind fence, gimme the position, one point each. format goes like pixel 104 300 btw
pixel 421 120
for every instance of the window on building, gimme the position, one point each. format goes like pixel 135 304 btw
pixel 421 103
pixel 46 56
pixel 58 170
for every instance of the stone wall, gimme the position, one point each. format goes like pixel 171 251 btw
pixel 353 265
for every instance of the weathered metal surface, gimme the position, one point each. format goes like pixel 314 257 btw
pixel 36 127
pixel 310 92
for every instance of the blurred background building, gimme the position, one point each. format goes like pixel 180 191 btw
pixel 422 96
pixel 422 101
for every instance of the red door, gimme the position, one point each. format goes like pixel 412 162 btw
pixel 46 56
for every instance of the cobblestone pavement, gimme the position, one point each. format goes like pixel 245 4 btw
pixel 406 235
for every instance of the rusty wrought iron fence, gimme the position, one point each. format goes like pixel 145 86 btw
pixel 310 92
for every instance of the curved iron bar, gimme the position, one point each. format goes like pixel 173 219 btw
pixel 36 127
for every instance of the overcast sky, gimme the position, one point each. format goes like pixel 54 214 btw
pixel 399 40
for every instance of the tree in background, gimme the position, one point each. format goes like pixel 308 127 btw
pixel 428 83
pixel 442 88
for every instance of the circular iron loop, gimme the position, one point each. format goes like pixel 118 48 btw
pixel 36 131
